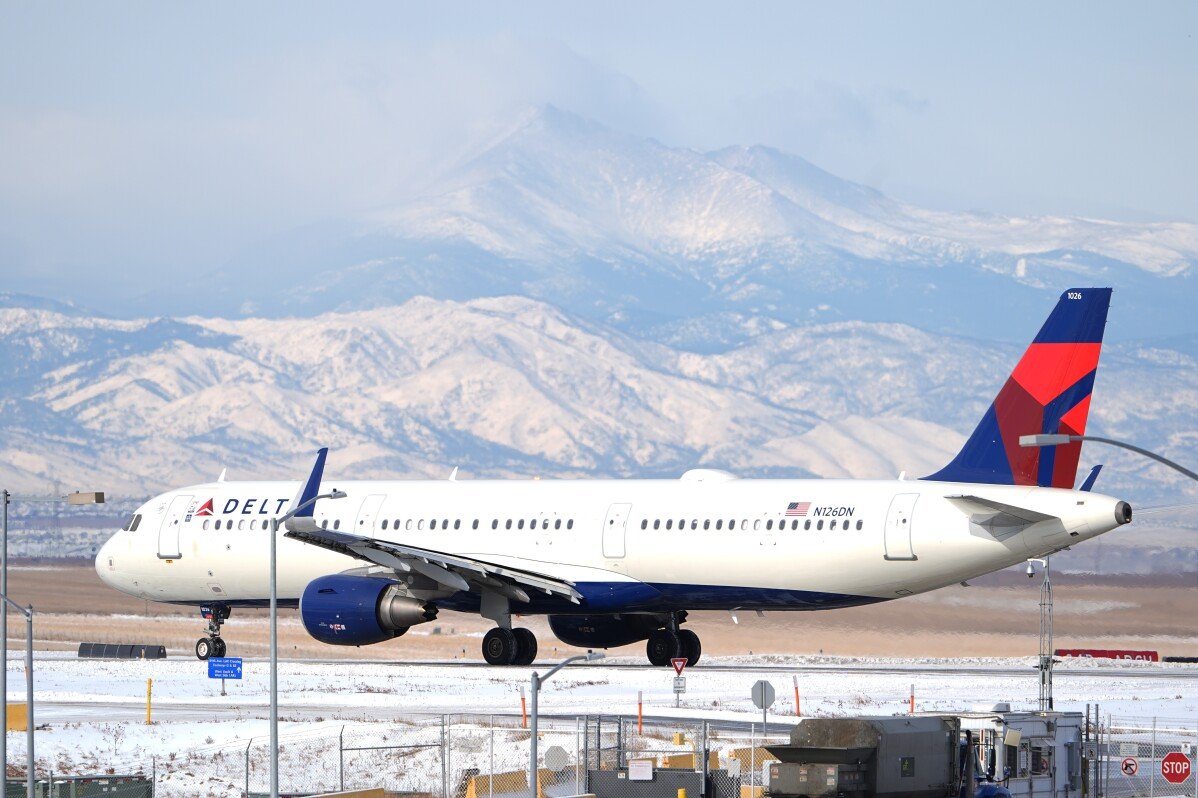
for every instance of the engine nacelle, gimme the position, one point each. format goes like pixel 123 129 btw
pixel 603 631
pixel 345 610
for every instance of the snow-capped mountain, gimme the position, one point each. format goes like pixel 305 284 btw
pixel 513 386
pixel 646 237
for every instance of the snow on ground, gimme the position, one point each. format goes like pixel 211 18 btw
pixel 91 713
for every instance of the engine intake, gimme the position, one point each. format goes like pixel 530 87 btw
pixel 344 610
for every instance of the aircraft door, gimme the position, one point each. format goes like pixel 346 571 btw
pixel 614 527
pixel 168 530
pixel 368 513
pixel 899 519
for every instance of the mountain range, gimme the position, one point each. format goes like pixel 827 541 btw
pixel 572 300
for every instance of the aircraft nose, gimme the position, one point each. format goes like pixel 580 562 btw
pixel 105 562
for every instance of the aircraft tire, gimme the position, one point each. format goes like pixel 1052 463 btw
pixel 219 646
pixel 692 649
pixel 204 648
pixel 663 646
pixel 499 647
pixel 526 646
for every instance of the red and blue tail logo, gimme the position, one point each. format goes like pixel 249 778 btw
pixel 1047 393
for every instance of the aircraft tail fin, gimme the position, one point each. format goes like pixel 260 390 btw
pixel 1047 393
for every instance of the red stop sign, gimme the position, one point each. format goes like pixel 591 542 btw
pixel 1175 767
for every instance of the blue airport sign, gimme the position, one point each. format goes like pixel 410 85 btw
pixel 224 667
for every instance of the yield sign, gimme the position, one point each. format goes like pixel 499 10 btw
pixel 679 663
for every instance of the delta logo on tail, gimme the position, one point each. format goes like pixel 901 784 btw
pixel 1047 393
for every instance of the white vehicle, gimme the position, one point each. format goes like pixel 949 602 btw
pixel 613 562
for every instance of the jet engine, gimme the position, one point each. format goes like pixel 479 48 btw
pixel 346 610
pixel 604 631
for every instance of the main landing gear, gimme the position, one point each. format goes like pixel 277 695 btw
pixel 673 642
pixel 509 646
pixel 212 645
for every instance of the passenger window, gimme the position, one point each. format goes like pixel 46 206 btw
pixel 807 524
pixel 532 524
pixel 520 524
pixel 457 523
pixel 669 523
pixel 757 525
pixel 545 524
pixel 719 523
pixel 494 523
pixel 731 524
pixel 694 523
pixel 644 523
pixel 507 524
pixel 707 523
pixel 845 525
pixel 820 525
pixel 384 523
pixel 408 524
pixel 557 523
pixel 859 525
pixel 682 523
pixel 253 525
pixel 657 523
pixel 475 524
pixel 337 524
pixel 420 524
pixel 744 525
pixel 205 525
pixel 570 524
pixel 445 524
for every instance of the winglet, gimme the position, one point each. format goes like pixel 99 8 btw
pixel 1088 485
pixel 311 487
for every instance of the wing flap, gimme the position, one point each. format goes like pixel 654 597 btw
pixel 461 573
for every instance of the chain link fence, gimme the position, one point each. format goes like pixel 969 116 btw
pixel 465 756
pixel 1142 757
pixel 462 756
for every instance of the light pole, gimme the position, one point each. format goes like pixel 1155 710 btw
pixel 537 681
pixel 28 612
pixel 275 523
pixel 77 498
pixel 1028 441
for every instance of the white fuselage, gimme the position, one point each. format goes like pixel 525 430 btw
pixel 705 541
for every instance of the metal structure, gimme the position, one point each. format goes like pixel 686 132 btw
pixel 537 680
pixel 76 498
pixel 1046 645
pixel 275 523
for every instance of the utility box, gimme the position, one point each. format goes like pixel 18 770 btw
pixel 901 757
pixel 1030 753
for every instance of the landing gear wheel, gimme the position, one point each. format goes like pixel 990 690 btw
pixel 499 647
pixel 219 644
pixel 204 648
pixel 526 646
pixel 692 649
pixel 663 646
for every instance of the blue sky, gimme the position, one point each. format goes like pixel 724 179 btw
pixel 142 140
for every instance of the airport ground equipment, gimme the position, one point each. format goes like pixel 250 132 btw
pixel 1030 753
pixel 890 757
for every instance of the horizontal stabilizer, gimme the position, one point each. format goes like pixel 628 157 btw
pixel 999 519
pixel 454 571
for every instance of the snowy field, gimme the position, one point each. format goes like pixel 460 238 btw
pixel 91 714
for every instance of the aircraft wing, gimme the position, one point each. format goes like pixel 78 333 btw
pixel 999 519
pixel 461 573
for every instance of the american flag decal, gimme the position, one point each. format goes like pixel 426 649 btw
pixel 798 508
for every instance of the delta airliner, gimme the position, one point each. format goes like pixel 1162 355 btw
pixel 615 562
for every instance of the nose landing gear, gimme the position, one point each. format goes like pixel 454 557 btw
pixel 212 645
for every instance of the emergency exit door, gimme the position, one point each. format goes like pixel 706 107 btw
pixel 614 527
pixel 898 527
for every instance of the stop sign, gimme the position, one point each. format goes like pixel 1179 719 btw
pixel 1175 767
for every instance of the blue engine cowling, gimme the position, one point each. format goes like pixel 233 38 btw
pixel 345 610
pixel 604 631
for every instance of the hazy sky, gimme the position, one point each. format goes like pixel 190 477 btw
pixel 142 140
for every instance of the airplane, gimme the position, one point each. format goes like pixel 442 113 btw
pixel 619 561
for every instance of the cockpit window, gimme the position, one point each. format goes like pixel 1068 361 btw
pixel 132 524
